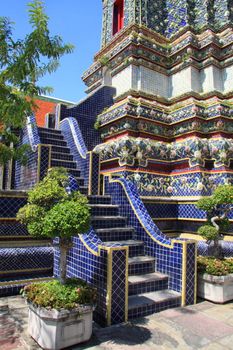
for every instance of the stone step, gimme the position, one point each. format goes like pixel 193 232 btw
pixel 108 221
pixel 26 242
pixel 12 286
pixel 12 228
pixel 60 149
pixel 146 283
pixel 55 142
pixel 63 156
pixel 24 260
pixel 50 136
pixel 63 163
pixel 149 303
pixel 104 209
pixel 74 172
pixel 136 248
pixel 141 264
pixel 98 199
pixel 49 130
pixel 115 234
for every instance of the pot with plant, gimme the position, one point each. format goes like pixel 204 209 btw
pixel 60 311
pixel 215 273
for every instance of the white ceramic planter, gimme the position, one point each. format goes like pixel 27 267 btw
pixel 55 330
pixel 218 289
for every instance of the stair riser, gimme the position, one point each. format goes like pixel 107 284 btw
pixel 115 236
pixel 74 172
pixel 141 268
pixel 12 228
pixel 50 131
pixel 108 223
pixel 99 200
pixel 62 163
pixel 60 149
pixel 53 142
pixel 62 156
pixel 146 287
pixel 50 136
pixel 151 309
pixel 17 259
pixel 106 211
pixel 136 250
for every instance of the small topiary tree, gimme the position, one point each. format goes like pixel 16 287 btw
pixel 217 207
pixel 54 212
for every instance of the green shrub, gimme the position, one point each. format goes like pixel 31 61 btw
pixel 54 295
pixel 208 232
pixel 215 267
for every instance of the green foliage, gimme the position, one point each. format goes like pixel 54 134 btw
pixel 67 219
pixel 208 232
pixel 216 267
pixel 54 295
pixel 22 63
pixel 51 211
pixel 223 195
pixel 217 207
pixel 206 204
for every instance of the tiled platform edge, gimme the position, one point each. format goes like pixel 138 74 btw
pixel 104 267
pixel 22 258
pixel 176 258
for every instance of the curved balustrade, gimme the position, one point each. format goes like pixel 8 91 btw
pixel 32 132
pixel 69 126
pixel 176 258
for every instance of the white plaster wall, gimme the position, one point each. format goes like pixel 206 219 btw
pixel 187 80
pixel 123 81
pixel 227 79
pixel 180 82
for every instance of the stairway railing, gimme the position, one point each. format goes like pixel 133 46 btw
pixel 175 257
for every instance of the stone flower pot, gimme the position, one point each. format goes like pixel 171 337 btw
pixel 54 330
pixel 218 289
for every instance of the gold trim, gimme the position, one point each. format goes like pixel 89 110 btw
pixel 195 282
pixel 26 270
pixel 184 274
pixel 127 285
pixel 99 178
pixel 12 195
pixel 109 287
pixel 26 281
pixel 179 219
pixel 38 162
pixel 90 173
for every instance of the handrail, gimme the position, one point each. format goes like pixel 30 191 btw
pixel 142 214
pixel 32 132
pixel 76 134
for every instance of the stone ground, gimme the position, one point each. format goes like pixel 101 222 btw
pixel 203 326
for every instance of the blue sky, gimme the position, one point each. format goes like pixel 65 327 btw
pixel 79 23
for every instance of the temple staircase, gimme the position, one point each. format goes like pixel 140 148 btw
pixel 148 288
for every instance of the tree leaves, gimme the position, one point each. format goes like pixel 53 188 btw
pixel 22 63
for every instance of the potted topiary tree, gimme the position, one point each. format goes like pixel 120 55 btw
pixel 215 274
pixel 60 311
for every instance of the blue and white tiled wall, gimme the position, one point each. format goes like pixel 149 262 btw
pixel 171 256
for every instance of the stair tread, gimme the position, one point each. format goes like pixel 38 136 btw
pixel 25 279
pixel 113 229
pixel 125 243
pixel 154 276
pixel 150 298
pixel 103 217
pixel 24 243
pixel 140 259
pixel 104 205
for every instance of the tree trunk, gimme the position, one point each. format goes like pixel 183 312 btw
pixel 64 248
